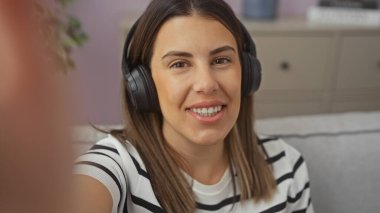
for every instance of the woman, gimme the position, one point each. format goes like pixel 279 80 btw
pixel 189 144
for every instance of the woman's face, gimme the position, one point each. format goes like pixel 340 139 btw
pixel 197 73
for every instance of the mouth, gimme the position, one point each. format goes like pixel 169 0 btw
pixel 210 111
pixel 207 112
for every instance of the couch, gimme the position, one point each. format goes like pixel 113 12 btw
pixel 342 152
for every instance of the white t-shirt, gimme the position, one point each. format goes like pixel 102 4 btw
pixel 119 167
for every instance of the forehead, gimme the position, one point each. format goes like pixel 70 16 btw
pixel 192 33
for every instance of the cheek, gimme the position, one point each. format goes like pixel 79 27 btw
pixel 235 94
pixel 170 92
pixel 232 83
pixel 232 87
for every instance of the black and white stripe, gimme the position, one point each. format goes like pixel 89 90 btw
pixel 289 169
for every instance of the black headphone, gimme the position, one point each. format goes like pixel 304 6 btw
pixel 142 91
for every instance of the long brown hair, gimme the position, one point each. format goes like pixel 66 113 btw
pixel 144 130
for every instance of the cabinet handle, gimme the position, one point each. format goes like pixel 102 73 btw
pixel 285 66
pixel 378 64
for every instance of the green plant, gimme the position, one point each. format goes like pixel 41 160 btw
pixel 72 34
pixel 62 31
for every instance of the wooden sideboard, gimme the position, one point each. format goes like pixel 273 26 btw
pixel 312 68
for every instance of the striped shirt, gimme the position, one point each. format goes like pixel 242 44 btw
pixel 119 167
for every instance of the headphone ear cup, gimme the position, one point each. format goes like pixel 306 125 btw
pixel 251 71
pixel 246 82
pixel 256 74
pixel 141 90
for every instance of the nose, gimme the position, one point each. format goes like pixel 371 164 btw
pixel 205 81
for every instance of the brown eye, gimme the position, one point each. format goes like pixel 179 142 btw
pixel 221 61
pixel 179 64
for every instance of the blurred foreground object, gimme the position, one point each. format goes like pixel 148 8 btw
pixel 35 147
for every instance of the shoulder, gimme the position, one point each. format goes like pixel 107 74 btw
pixel 113 153
pixel 275 146
pixel 119 167
pixel 102 154
pixel 287 162
pixel 107 161
pixel 290 171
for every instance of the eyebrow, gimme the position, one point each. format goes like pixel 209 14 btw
pixel 189 55
pixel 222 49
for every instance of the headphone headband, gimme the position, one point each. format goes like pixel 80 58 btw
pixel 249 45
pixel 126 66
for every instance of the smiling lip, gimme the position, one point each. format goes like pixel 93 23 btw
pixel 206 104
pixel 210 119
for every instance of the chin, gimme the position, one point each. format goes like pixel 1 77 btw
pixel 208 139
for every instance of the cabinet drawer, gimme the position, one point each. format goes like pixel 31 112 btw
pixel 359 63
pixel 293 62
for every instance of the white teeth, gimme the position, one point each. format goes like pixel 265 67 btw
pixel 207 112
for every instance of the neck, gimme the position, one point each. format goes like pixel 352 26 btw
pixel 206 163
